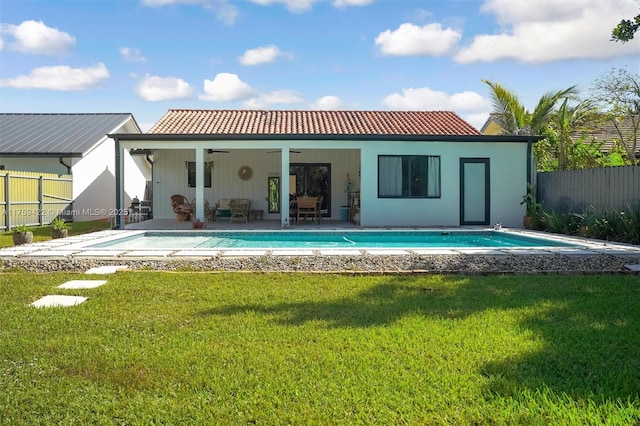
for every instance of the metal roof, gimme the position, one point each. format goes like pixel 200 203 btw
pixel 57 134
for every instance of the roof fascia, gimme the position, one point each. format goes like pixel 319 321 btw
pixel 418 138
pixel 43 154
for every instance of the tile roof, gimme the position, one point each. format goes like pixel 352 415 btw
pixel 51 134
pixel 305 122
pixel 605 131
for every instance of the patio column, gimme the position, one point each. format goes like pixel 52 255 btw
pixel 284 188
pixel 200 184
pixel 119 172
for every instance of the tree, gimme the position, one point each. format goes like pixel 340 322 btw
pixel 566 122
pixel 618 93
pixel 512 116
pixel 626 29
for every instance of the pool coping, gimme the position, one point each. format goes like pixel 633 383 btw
pixel 78 247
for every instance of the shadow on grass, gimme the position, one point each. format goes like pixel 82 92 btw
pixel 590 325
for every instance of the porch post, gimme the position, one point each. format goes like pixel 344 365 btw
pixel 200 184
pixel 119 212
pixel 284 188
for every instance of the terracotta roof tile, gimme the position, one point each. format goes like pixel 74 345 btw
pixel 305 122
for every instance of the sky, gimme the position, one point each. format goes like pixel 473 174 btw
pixel 148 56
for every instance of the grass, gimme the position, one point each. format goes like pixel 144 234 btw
pixel 43 233
pixel 195 348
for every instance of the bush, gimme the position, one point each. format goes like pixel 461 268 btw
pixel 611 225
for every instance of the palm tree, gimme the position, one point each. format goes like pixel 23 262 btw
pixel 514 119
pixel 566 122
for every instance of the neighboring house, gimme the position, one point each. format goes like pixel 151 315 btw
pixel 411 168
pixel 75 144
pixel 604 130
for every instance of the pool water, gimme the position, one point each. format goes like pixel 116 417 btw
pixel 323 240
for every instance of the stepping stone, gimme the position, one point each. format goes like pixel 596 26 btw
pixel 635 268
pixel 107 269
pixel 83 284
pixel 53 301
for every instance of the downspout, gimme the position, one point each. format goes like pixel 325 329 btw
pixel 529 161
pixel 61 161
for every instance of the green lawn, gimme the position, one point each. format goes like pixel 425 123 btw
pixel 43 233
pixel 198 348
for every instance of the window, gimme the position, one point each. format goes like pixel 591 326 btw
pixel 408 176
pixel 191 173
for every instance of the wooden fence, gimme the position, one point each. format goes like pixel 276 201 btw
pixel 576 190
pixel 31 198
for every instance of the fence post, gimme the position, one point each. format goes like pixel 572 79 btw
pixel 40 201
pixel 7 204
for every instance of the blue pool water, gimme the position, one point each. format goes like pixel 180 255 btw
pixel 322 240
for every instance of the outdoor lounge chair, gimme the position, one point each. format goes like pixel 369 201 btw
pixel 181 207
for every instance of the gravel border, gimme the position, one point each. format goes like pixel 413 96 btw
pixel 430 264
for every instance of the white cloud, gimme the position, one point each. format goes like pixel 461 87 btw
pixel 132 54
pixel 469 105
pixel 295 6
pixel 59 78
pixel 225 87
pixel 225 12
pixel 1 44
pixel 260 55
pixel 153 88
pixel 35 37
pixel 327 103
pixel 346 3
pixel 410 39
pixel 539 31
pixel 424 98
pixel 275 97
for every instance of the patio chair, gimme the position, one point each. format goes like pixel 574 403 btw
pixel 181 207
pixel 239 208
pixel 306 207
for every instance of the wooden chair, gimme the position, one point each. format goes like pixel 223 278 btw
pixel 306 207
pixel 239 208
pixel 181 207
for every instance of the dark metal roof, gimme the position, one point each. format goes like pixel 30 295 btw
pixel 57 134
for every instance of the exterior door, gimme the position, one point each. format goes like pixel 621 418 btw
pixel 313 180
pixel 474 191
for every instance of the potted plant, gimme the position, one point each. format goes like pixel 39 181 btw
pixel 60 228
pixel 533 207
pixel 198 224
pixel 22 235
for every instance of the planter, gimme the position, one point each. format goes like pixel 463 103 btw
pixel 528 222
pixel 59 233
pixel 20 238
pixel 197 225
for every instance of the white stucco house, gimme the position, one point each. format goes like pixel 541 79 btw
pixel 76 144
pixel 406 168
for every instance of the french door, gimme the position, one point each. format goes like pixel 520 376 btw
pixel 314 180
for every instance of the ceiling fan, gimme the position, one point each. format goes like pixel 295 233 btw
pixel 211 151
pixel 291 151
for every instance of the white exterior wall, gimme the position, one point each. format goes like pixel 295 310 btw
pixel 94 188
pixel 508 178
pixel 170 176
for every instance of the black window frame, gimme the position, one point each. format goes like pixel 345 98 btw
pixel 191 174
pixel 406 178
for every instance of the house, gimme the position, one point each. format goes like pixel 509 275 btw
pixel 75 144
pixel 402 168
pixel 602 130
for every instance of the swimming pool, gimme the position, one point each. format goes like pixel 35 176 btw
pixel 326 239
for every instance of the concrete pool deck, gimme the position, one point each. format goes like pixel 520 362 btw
pixel 78 247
